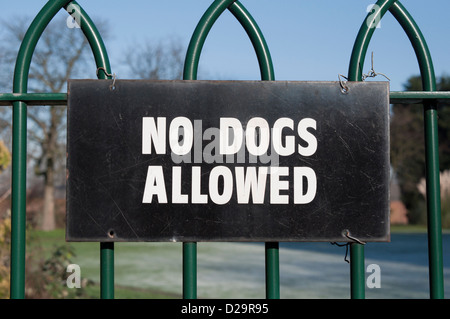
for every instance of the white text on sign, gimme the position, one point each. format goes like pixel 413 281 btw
pixel 260 142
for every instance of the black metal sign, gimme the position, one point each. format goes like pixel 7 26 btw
pixel 227 161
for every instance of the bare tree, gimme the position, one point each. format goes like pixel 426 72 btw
pixel 157 61
pixel 61 53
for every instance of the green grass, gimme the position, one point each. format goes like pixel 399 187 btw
pixel 408 229
pixel 87 255
pixel 123 292
pixel 413 229
pixel 158 265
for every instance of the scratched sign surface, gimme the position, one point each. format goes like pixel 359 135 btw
pixel 227 161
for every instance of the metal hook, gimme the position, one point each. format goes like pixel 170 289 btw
pixel 347 234
pixel 113 85
pixel 344 87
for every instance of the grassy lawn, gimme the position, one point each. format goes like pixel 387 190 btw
pixel 144 270
pixel 123 292
pixel 408 229
pixel 87 255
pixel 413 229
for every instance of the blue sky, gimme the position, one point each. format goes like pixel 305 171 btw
pixel 308 40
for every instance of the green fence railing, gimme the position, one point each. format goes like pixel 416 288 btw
pixel 20 99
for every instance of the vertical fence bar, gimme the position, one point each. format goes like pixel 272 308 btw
pixel 272 270
pixel 102 61
pixel 190 73
pixel 357 274
pixel 267 73
pixel 433 203
pixel 430 123
pixel 420 46
pixel 107 270
pixel 18 203
pixel 357 271
pixel 20 85
pixel 190 270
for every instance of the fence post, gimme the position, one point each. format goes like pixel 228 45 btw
pixel 430 123
pixel 420 46
pixel 355 74
pixel 107 270
pixel 190 270
pixel 20 85
pixel 190 73
pixel 18 203
pixel 103 72
pixel 357 271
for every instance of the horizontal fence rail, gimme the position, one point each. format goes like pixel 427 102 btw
pixel 395 97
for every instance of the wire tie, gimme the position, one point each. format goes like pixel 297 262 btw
pixel 346 249
pixel 113 85
pixel 372 73
pixel 347 234
pixel 344 87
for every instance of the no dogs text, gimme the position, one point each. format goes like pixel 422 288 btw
pixel 248 182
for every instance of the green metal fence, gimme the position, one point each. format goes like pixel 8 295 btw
pixel 20 100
